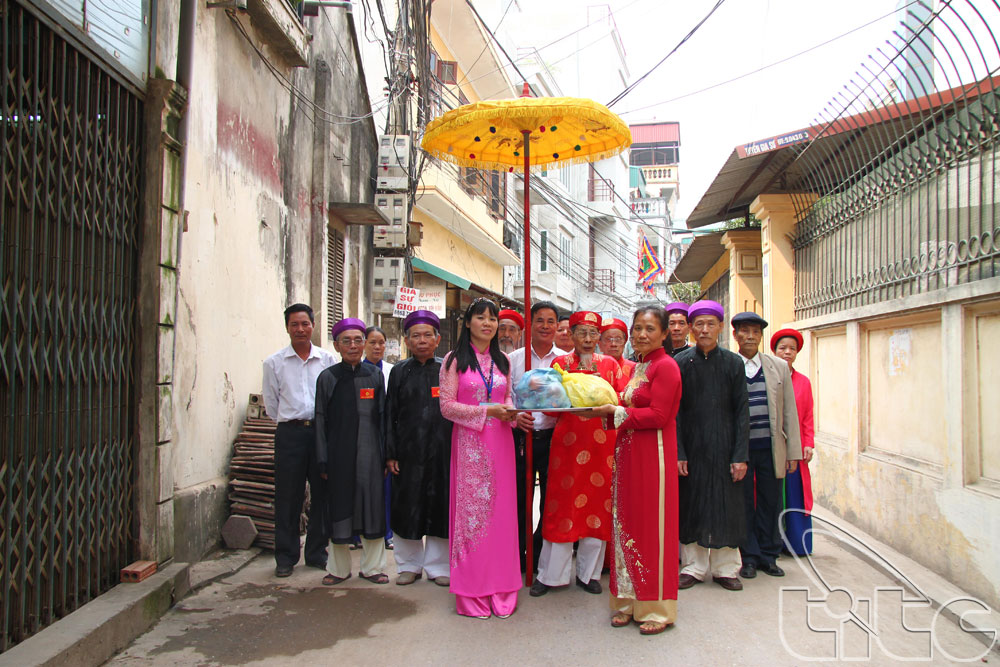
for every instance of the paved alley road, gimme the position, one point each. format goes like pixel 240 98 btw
pixel 252 618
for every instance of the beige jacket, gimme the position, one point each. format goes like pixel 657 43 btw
pixel 786 444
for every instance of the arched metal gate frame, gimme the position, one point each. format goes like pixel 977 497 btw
pixel 897 192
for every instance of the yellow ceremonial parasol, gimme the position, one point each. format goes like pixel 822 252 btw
pixel 491 135
pixel 530 133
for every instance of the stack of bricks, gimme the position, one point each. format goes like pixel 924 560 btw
pixel 251 472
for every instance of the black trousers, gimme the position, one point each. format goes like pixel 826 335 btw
pixel 294 463
pixel 540 442
pixel 762 492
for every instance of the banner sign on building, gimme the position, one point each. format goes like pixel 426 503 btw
pixel 433 294
pixel 773 143
pixel 406 301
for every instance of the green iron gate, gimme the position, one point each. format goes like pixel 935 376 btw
pixel 69 219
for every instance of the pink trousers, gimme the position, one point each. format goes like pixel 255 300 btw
pixel 500 604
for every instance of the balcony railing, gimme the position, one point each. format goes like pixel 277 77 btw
pixel 601 280
pixel 600 189
pixel 649 206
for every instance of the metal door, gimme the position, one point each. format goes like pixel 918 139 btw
pixel 69 219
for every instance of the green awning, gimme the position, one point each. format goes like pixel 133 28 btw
pixel 438 272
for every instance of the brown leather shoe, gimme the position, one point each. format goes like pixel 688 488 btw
pixel 687 581
pixel 729 583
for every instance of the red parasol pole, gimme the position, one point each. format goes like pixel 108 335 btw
pixel 529 487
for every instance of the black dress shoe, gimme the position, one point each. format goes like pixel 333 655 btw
pixel 538 589
pixel 772 569
pixel 283 571
pixel 319 565
pixel 687 581
pixel 748 571
pixel 592 586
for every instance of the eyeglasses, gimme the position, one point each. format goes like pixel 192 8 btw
pixel 614 340
pixel 587 333
pixel 351 342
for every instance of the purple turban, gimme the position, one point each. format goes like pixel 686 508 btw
pixel 706 307
pixel 421 317
pixel 346 324
pixel 677 307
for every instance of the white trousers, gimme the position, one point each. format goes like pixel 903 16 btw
pixel 698 561
pixel 556 561
pixel 372 558
pixel 414 556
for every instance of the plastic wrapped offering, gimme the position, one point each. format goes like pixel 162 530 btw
pixel 587 391
pixel 541 389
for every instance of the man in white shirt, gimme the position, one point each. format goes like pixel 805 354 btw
pixel 544 321
pixel 774 445
pixel 290 399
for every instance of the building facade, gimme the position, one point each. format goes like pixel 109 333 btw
pixel 206 167
pixel 877 239
pixel 585 236
pixel 453 246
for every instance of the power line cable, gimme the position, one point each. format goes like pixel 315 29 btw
pixel 632 86
pixel 298 94
pixel 465 77
pixel 581 29
pixel 574 218
pixel 768 66
pixel 524 60
pixel 554 62
pixel 495 40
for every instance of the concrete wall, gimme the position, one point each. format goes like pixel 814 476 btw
pixel 446 249
pixel 261 167
pixel 906 427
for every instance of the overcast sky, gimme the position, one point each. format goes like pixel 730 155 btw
pixel 741 36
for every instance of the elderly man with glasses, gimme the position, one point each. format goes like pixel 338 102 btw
pixel 614 336
pixel 581 456
pixel 350 449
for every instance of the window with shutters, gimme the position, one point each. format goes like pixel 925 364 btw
pixel 566 254
pixel 473 181
pixel 498 195
pixel 334 278
pixel 543 264
pixel 447 71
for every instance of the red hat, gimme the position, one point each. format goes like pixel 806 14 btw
pixel 512 315
pixel 786 333
pixel 614 324
pixel 585 317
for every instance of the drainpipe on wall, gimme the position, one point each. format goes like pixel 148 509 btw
pixel 185 62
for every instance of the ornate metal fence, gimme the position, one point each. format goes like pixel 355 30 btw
pixel 897 192
pixel 69 203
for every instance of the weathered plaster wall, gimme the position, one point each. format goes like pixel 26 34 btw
pixel 905 421
pixel 258 180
